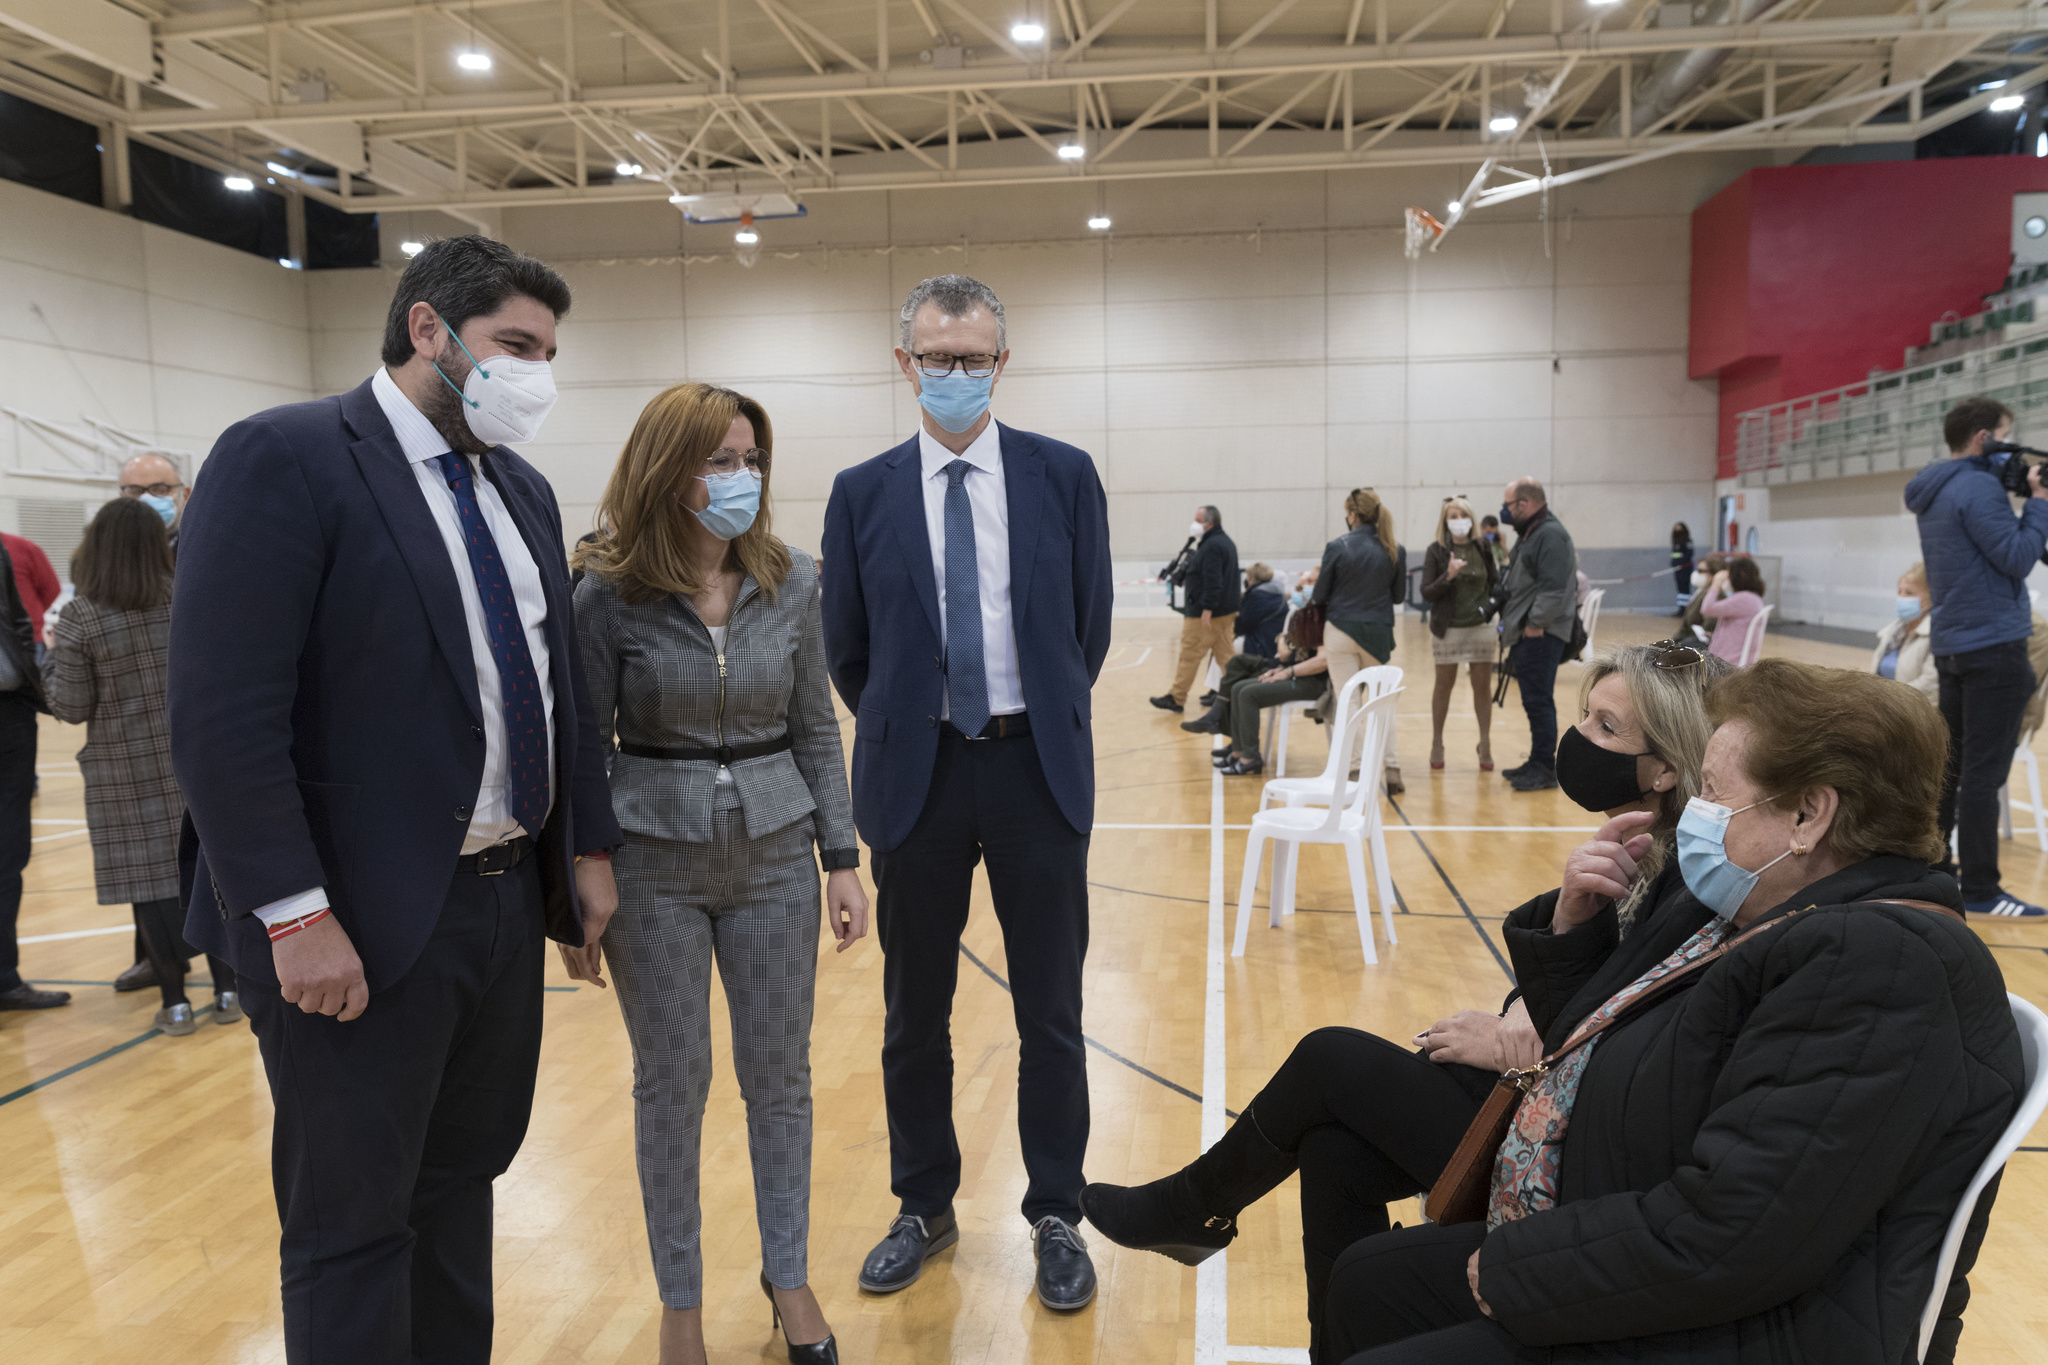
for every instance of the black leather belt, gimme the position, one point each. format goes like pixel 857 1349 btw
pixel 497 859
pixel 999 727
pixel 725 753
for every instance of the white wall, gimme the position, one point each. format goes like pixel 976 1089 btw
pixel 165 335
pixel 1258 342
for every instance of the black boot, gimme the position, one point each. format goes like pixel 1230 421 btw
pixel 1210 722
pixel 1192 1214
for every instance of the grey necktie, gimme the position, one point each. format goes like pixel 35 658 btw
pixel 966 673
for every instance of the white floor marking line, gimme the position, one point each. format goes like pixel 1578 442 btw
pixel 45 838
pixel 1133 663
pixel 79 933
pixel 1212 1277
pixel 56 822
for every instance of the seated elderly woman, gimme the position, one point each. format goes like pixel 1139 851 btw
pixel 1368 1121
pixel 1254 682
pixel 1758 1163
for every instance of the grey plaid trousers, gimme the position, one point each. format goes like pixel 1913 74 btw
pixel 753 906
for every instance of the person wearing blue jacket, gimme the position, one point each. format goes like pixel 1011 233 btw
pixel 1978 556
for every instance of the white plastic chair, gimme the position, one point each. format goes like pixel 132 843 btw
pixel 1365 686
pixel 1353 823
pixel 1276 731
pixel 1589 616
pixel 1753 641
pixel 2033 1046
pixel 2024 755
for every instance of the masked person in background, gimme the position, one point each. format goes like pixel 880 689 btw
pixel 1359 586
pixel 967 615
pixel 393 790
pixel 1536 622
pixel 153 481
pixel 706 657
pixel 1904 653
pixel 1210 596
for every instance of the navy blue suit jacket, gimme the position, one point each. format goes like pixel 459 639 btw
pixel 325 724
pixel 885 655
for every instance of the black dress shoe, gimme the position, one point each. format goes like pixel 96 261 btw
pixel 898 1259
pixel 1220 757
pixel 1165 703
pixel 1210 722
pixel 1066 1277
pixel 139 977
pixel 824 1352
pixel 1210 698
pixel 29 998
pixel 1244 765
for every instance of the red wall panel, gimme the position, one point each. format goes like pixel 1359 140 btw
pixel 1807 277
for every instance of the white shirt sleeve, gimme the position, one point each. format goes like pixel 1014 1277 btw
pixel 291 907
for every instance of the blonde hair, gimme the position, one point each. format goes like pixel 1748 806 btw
pixel 1365 504
pixel 1916 572
pixel 1259 573
pixel 1443 519
pixel 641 518
pixel 1671 710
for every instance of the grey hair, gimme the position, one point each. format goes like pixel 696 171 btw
pixel 955 296
pixel 1670 707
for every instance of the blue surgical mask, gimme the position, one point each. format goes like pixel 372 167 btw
pixel 1299 599
pixel 163 507
pixel 1909 607
pixel 735 502
pixel 956 401
pixel 1703 860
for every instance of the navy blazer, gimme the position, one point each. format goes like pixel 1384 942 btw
pixel 324 716
pixel 878 558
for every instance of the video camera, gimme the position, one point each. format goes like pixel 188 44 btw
pixel 2012 473
pixel 1176 573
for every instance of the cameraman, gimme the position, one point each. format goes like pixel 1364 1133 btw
pixel 1209 600
pixel 1978 556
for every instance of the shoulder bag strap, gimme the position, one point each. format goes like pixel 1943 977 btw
pixel 1929 906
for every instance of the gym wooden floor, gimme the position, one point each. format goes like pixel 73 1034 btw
pixel 136 1222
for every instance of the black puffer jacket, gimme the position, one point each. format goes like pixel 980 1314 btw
pixel 1760 1168
pixel 1214 583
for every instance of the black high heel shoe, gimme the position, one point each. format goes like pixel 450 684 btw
pixel 824 1352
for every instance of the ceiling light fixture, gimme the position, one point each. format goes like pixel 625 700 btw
pixel 473 60
pixel 1992 85
pixel 1072 151
pixel 281 170
pixel 2005 104
pixel 1027 32
pixel 679 199
pixel 1504 123
pixel 412 248
pixel 746 236
pixel 240 184
pixel 628 168
pixel 1099 223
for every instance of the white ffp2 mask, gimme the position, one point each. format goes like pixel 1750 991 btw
pixel 505 399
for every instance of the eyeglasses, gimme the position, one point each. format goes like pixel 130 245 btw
pixel 1672 655
pixel 726 460
pixel 155 490
pixel 935 365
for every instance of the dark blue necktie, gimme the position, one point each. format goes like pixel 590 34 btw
pixel 966 672
pixel 526 719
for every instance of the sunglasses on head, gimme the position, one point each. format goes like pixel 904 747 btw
pixel 1672 655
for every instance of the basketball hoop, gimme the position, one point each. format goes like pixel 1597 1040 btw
pixel 1424 230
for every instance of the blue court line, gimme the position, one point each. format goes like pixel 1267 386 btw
pixel 1479 928
pixel 119 1048
pixel 1110 1053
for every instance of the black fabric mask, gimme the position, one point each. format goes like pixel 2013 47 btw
pixel 1598 779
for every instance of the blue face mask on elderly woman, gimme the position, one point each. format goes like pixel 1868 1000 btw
pixel 1720 884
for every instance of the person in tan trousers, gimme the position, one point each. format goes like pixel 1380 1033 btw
pixel 1213 588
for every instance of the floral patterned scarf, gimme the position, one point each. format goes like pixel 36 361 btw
pixel 1525 1174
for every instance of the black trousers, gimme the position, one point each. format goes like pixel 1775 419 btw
pixel 1402 1298
pixel 989 802
pixel 1984 700
pixel 1370 1122
pixel 1535 660
pixel 17 790
pixel 158 923
pixel 391 1128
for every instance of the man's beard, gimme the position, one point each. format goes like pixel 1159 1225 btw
pixel 444 405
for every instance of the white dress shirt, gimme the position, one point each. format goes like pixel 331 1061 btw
pixel 988 500
pixel 491 819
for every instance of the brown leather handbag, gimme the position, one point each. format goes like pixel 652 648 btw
pixel 1463 1190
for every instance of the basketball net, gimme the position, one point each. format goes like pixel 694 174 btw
pixel 1424 230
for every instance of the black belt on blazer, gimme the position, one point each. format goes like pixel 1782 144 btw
pixel 726 754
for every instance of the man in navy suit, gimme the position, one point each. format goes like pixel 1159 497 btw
pixel 967 605
pixel 394 791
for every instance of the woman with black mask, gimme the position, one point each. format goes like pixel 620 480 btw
pixel 1367 1121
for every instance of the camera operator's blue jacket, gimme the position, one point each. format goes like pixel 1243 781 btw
pixel 1978 554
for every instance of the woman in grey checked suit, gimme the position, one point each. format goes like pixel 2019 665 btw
pixel 106 667
pixel 705 652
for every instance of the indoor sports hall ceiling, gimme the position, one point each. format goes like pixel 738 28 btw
pixel 470 105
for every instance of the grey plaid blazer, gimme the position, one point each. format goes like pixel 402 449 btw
pixel 654 680
pixel 108 669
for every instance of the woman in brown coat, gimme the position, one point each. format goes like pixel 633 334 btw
pixel 106 669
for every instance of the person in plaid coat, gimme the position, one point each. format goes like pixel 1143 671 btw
pixel 107 668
